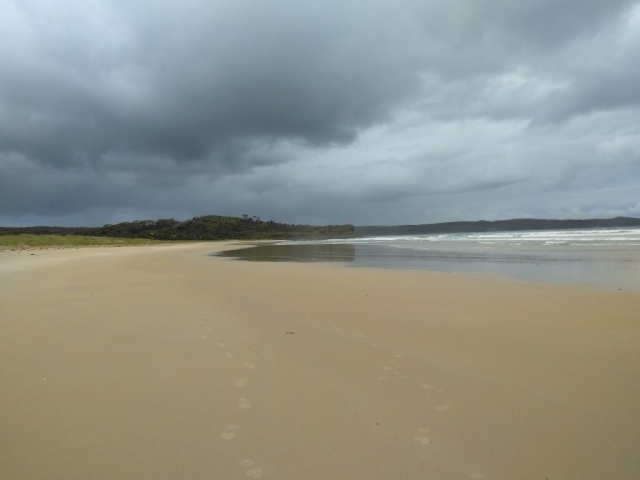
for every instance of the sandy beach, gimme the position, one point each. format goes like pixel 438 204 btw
pixel 166 363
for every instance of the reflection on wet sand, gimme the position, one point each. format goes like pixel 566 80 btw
pixel 610 267
pixel 295 253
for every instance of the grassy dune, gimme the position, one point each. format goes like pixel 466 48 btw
pixel 24 241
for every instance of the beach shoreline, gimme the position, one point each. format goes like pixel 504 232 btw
pixel 165 362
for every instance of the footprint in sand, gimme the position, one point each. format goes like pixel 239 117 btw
pixel 421 436
pixel 244 403
pixel 251 469
pixel 230 432
pixel 229 355
pixel 250 366
pixel 241 383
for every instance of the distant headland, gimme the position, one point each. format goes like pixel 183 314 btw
pixel 518 224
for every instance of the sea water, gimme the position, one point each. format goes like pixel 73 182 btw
pixel 608 258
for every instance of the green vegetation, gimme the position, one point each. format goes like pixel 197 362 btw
pixel 26 240
pixel 214 227
pixel 210 227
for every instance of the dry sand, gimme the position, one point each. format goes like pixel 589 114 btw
pixel 163 363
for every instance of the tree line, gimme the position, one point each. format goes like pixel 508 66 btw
pixel 207 227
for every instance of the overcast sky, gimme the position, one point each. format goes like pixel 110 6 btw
pixel 345 111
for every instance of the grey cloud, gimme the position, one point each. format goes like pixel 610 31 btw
pixel 131 108
pixel 169 90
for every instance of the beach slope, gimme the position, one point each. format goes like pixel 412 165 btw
pixel 163 362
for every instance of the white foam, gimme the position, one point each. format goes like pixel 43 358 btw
pixel 600 237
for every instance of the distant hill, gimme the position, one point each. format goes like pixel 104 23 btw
pixel 215 227
pixel 519 224
pixel 209 227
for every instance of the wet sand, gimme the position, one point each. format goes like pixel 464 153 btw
pixel 166 363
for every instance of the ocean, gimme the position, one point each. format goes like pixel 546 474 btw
pixel 604 258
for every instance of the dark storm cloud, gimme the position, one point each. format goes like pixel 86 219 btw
pixel 138 107
pixel 185 81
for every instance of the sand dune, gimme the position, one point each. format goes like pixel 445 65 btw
pixel 165 363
